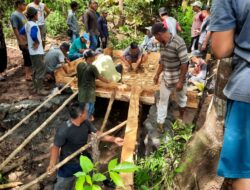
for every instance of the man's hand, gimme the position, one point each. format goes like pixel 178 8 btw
pixel 35 45
pixel 51 171
pixel 179 86
pixel 103 39
pixel 203 47
pixel 119 141
pixel 156 79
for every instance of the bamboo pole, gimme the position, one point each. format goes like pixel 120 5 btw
pixel 67 159
pixel 10 185
pixel 33 112
pixel 32 135
pixel 111 101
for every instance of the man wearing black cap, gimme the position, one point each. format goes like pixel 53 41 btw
pixel 169 22
pixel 87 73
pixel 174 65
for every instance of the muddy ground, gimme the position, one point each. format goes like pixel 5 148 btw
pixel 33 159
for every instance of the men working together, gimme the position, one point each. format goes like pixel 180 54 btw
pixel 226 26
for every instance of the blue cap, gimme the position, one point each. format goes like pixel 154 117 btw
pixel 86 36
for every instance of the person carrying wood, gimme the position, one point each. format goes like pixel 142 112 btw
pixel 174 66
pixel 230 26
pixel 32 32
pixel 43 13
pixel 18 20
pixel 87 74
pixel 70 137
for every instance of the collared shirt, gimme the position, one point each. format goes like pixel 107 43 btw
pixel 72 22
pixel 173 55
pixel 90 22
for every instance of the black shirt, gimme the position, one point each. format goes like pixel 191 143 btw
pixel 70 138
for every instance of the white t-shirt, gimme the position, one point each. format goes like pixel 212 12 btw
pixel 40 10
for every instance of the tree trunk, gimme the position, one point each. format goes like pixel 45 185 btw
pixel 202 155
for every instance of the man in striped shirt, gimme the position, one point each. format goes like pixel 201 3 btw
pixel 174 66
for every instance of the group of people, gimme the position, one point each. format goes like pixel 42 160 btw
pixel 229 28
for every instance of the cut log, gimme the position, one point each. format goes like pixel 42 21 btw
pixel 130 138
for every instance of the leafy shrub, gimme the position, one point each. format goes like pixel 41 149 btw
pixel 56 23
pixel 158 170
pixel 185 18
pixel 89 179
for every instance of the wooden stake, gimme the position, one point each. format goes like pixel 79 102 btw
pixel 10 185
pixel 33 112
pixel 70 157
pixel 32 135
pixel 111 101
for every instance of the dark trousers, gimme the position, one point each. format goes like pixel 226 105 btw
pixel 3 59
pixel 104 43
pixel 194 43
pixel 26 56
pixel 38 70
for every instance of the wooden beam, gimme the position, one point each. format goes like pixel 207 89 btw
pixel 130 138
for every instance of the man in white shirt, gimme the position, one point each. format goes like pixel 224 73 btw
pixel 43 12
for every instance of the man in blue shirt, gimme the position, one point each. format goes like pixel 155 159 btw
pixel 230 26
pixel 103 28
pixel 78 47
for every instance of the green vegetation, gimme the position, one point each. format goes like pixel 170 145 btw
pixel 158 170
pixel 90 179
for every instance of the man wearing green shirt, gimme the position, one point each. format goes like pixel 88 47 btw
pixel 78 47
pixel 87 74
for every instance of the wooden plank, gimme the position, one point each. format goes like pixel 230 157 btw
pixel 130 138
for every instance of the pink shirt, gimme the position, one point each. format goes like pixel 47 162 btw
pixel 196 24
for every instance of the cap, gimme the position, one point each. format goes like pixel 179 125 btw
pixel 162 11
pixel 149 28
pixel 197 3
pixel 195 53
pixel 158 27
pixel 85 36
pixel 89 53
pixel 31 12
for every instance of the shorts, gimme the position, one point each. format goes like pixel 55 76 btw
pixel 65 183
pixel 235 153
pixel 91 108
pixel 26 56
